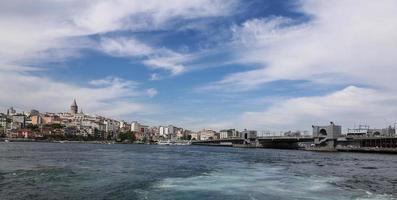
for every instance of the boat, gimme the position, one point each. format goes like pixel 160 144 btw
pixel 164 142
pixel 174 142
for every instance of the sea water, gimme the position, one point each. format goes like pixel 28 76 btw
pixel 101 171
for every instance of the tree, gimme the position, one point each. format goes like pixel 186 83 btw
pixel 127 136
pixel 2 132
pixel 57 126
pixel 33 127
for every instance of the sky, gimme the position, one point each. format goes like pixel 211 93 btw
pixel 255 64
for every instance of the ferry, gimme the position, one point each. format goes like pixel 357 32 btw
pixel 170 142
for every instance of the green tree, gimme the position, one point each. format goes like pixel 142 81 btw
pixel 2 134
pixel 33 127
pixel 127 136
pixel 57 126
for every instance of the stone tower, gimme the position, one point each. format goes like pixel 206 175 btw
pixel 74 107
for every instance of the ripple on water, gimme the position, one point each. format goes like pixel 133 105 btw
pixel 262 182
pixel 81 171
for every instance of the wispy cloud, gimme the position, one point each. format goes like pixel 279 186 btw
pixel 151 92
pixel 107 97
pixel 155 58
pixel 333 45
pixel 124 47
pixel 53 26
pixel 350 106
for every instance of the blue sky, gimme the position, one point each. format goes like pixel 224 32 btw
pixel 258 64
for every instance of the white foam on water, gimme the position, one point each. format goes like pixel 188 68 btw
pixel 264 182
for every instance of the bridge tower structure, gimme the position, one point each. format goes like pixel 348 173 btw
pixel 326 136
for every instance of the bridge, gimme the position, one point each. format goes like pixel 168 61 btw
pixel 281 142
pixel 220 142
pixel 276 142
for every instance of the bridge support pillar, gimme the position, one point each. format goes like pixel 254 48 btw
pixel 325 137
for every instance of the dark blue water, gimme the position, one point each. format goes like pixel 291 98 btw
pixel 95 171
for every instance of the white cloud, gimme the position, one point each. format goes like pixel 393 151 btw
pixel 124 47
pixel 111 97
pixel 154 77
pixel 43 27
pixel 113 81
pixel 151 92
pixel 147 15
pixel 349 106
pixel 155 58
pixel 343 41
pixel 168 63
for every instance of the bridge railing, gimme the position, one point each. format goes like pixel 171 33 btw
pixel 285 137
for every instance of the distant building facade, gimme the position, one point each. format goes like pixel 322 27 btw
pixel 248 134
pixel 208 134
pixel 229 134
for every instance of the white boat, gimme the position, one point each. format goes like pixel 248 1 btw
pixel 170 142
pixel 162 142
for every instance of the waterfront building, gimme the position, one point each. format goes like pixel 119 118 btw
pixel 166 131
pixel 124 126
pixel 24 133
pixel 3 123
pixel 179 133
pixel 72 123
pixel 135 126
pixel 207 134
pixel 228 134
pixel 51 118
pixel 365 130
pixel 161 130
pixel 93 124
pixel 18 121
pixel 171 129
pixel 194 136
pixel 111 125
pixel 155 130
pixel 248 134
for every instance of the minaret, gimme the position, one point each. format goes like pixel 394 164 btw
pixel 74 107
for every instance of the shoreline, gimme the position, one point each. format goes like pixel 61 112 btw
pixel 337 150
pixel 11 140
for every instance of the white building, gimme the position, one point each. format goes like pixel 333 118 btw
pixel 228 134
pixel 135 126
pixel 111 125
pixel 207 134
pixel 161 130
pixel 166 130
